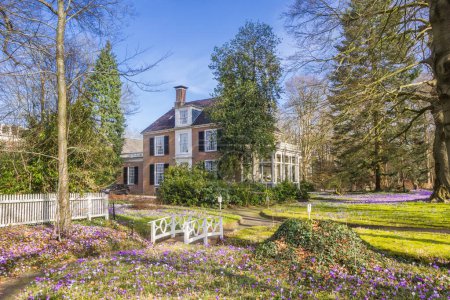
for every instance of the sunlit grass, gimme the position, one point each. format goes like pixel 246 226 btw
pixel 416 214
pixel 419 245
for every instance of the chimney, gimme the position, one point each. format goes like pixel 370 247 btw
pixel 180 96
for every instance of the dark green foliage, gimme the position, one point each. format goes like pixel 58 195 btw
pixel 103 90
pixel 197 187
pixel 95 130
pixel 322 243
pixel 307 186
pixel 248 74
pixel 287 191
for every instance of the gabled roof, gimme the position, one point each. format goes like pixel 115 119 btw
pixel 167 121
pixel 132 145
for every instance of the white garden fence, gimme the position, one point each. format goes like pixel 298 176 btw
pixel 192 227
pixel 40 208
pixel 202 229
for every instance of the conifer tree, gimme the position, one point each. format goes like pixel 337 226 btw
pixel 363 111
pixel 248 72
pixel 103 91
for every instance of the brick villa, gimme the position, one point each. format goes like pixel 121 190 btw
pixel 185 135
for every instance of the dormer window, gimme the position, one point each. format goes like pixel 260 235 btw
pixel 183 116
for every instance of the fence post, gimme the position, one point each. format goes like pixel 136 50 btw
pixel 172 227
pixel 221 228
pixel 186 230
pixel 205 231
pixel 89 199
pixel 106 206
pixel 153 232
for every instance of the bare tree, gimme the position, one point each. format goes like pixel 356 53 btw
pixel 48 32
pixel 304 120
pixel 316 25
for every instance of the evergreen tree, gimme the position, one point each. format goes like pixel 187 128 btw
pixel 248 72
pixel 103 90
pixel 364 114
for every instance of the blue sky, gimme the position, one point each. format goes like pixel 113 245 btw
pixel 189 30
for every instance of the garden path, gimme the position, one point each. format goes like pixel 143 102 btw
pixel 11 286
pixel 251 216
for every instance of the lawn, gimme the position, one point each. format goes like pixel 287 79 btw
pixel 408 214
pixel 419 245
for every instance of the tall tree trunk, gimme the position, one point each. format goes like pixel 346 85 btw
pixel 64 216
pixel 440 49
pixel 377 149
pixel 441 163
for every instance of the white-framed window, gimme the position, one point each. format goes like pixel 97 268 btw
pixel 211 165
pixel 210 140
pixel 159 145
pixel 131 175
pixel 183 116
pixel 159 173
pixel 184 142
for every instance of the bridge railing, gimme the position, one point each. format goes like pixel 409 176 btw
pixel 202 229
pixel 168 226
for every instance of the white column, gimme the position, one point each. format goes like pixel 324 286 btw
pixel 274 171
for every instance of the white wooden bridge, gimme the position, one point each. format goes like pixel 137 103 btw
pixel 192 227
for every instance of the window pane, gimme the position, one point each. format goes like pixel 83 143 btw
pixel 210 165
pixel 130 175
pixel 159 173
pixel 183 116
pixel 159 145
pixel 184 148
pixel 211 140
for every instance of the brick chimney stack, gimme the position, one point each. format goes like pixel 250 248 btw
pixel 180 96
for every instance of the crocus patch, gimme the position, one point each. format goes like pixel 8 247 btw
pixel 25 247
pixel 415 195
pixel 224 272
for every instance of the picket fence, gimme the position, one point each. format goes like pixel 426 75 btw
pixel 41 208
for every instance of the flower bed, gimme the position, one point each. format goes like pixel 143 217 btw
pixel 415 195
pixel 25 247
pixel 193 272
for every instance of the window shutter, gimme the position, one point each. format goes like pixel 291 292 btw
pixel 152 146
pixel 166 166
pixel 125 175
pixel 201 141
pixel 166 144
pixel 136 175
pixel 152 174
pixel 219 139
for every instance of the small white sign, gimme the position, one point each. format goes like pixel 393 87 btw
pixel 219 199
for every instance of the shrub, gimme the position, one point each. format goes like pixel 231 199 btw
pixel 288 191
pixel 322 242
pixel 196 187
pixel 307 186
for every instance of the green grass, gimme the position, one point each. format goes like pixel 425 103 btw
pixel 418 245
pixel 417 214
pixel 252 235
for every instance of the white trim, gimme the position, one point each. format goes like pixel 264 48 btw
pixel 178 153
pixel 163 146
